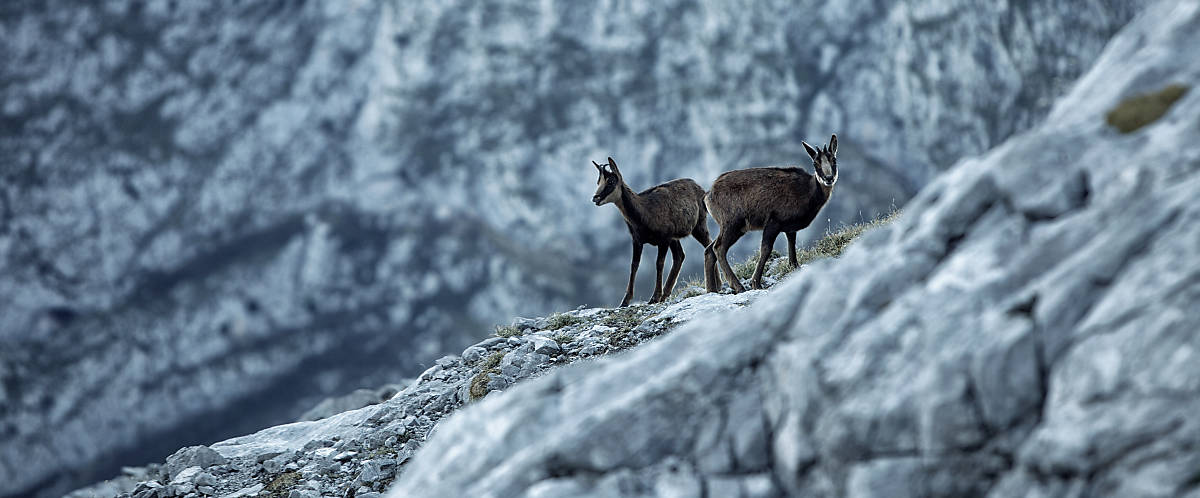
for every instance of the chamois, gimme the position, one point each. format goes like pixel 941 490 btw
pixel 769 199
pixel 659 216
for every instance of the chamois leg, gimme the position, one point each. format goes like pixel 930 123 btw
pixel 676 263
pixel 658 281
pixel 764 253
pixel 712 281
pixel 725 240
pixel 791 237
pixel 637 259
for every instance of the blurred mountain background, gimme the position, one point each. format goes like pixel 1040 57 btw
pixel 215 214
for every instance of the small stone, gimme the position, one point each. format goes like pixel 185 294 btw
pixel 206 490
pixel 447 361
pixel 345 455
pixel 490 343
pixel 246 491
pixel 376 470
pixel 510 370
pixel 291 467
pixel 205 479
pixel 545 345
pixel 497 382
pixel 187 475
pixel 473 354
pixel 522 323
pixel 592 349
pixel 368 494
pixel 193 456
pixel 304 493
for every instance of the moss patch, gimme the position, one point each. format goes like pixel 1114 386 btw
pixel 281 486
pixel 1140 110
pixel 560 320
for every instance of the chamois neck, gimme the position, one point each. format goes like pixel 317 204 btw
pixel 630 205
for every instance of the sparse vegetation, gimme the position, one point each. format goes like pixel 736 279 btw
pixel 563 339
pixel 492 361
pixel 507 331
pixel 282 484
pixel 830 246
pixel 1140 110
pixel 560 320
pixel 745 269
pixel 835 242
pixel 627 317
pixel 479 383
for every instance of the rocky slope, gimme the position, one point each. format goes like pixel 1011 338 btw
pixel 361 451
pixel 212 216
pixel 1028 327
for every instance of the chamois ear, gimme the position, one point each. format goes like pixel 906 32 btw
pixel 599 167
pixel 811 151
pixel 613 166
pixel 833 144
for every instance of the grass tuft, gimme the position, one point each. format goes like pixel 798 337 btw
pixel 507 331
pixel 560 320
pixel 564 339
pixel 488 365
pixel 1140 110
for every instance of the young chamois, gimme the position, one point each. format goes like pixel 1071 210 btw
pixel 659 216
pixel 769 199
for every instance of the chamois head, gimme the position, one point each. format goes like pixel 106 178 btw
pixel 824 161
pixel 608 185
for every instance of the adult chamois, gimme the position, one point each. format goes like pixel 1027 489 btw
pixel 659 216
pixel 769 199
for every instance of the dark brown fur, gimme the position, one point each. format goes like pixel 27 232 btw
pixel 659 216
pixel 773 200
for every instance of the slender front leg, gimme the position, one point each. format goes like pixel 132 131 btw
pixel 637 259
pixel 658 264
pixel 791 236
pixel 676 262
pixel 764 253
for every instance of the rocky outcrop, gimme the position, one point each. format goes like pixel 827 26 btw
pixel 361 451
pixel 213 216
pixel 1026 328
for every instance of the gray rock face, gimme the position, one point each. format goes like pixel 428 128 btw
pixel 1026 328
pixel 361 450
pixel 206 210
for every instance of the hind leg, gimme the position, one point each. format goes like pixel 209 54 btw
pixel 712 281
pixel 725 240
pixel 764 253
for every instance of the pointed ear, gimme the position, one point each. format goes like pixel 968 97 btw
pixel 833 144
pixel 811 151
pixel 613 165
pixel 601 168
